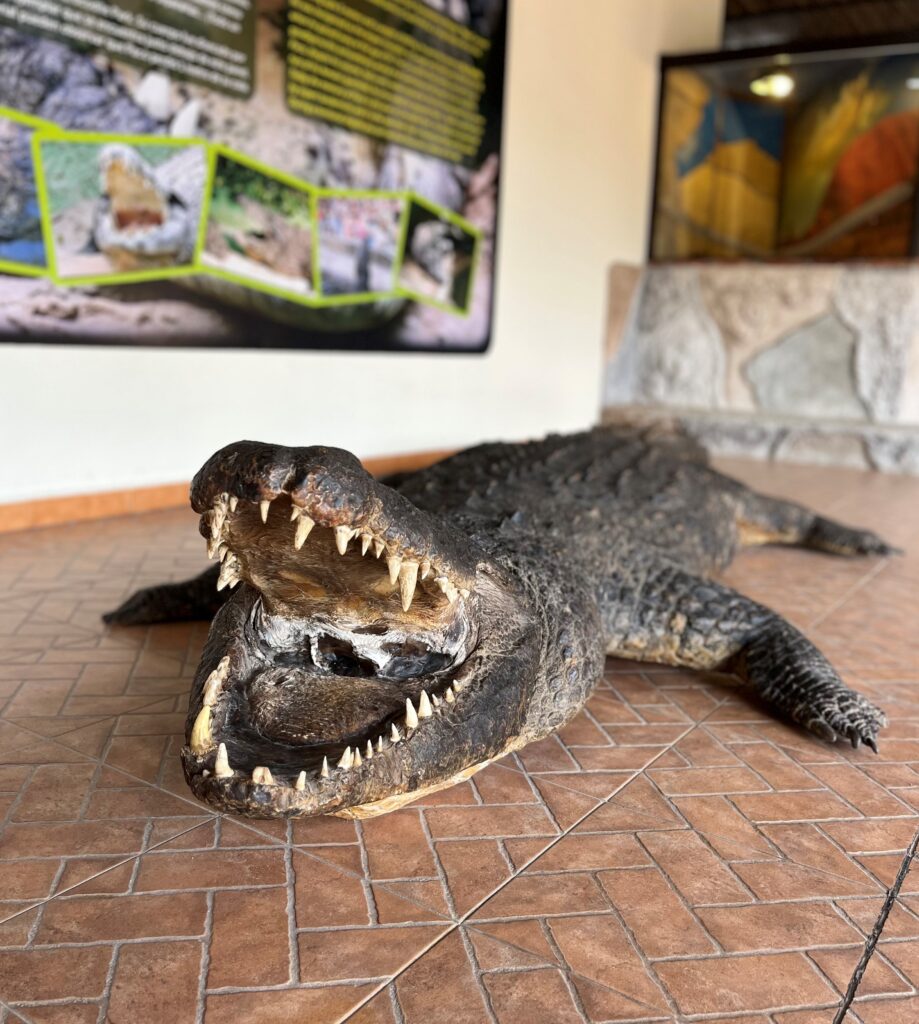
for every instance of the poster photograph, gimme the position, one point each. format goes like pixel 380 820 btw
pixel 251 173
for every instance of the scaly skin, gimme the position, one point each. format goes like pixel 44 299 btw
pixel 545 557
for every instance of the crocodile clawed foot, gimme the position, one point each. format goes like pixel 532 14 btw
pixel 834 538
pixel 859 721
pixel 138 609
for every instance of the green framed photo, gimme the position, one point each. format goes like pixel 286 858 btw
pixel 440 252
pixel 120 208
pixel 22 243
pixel 258 228
pixel 359 242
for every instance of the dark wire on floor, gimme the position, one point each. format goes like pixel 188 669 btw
pixel 892 893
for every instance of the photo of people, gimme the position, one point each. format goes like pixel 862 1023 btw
pixel 21 244
pixel 358 243
pixel 439 257
pixel 122 209
pixel 259 228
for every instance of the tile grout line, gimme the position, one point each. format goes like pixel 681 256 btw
pixel 366 882
pixel 59 736
pixel 15 1015
pixel 872 940
pixel 556 951
pixel 869 577
pixel 41 903
pixel 462 920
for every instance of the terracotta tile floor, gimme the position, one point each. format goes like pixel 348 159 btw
pixel 672 855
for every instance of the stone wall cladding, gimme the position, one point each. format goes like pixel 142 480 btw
pixel 799 362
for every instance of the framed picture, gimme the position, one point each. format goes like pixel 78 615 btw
pixel 788 156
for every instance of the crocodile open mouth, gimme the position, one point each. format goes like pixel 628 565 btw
pixel 336 674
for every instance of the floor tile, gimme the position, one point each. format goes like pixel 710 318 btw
pixel 672 852
pixel 713 879
pixel 249 915
pixel 68 822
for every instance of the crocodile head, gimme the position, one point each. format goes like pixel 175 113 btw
pixel 370 652
pixel 140 225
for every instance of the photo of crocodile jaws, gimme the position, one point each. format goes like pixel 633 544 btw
pixel 375 641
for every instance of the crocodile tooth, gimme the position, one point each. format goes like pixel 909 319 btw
pixel 368 753
pixel 435 700
pixel 411 718
pixel 424 705
pixel 301 782
pixel 342 535
pixel 234 501
pixel 227 572
pixel 213 546
pixel 395 564
pixel 458 684
pixel 378 547
pixel 262 776
pixel 425 568
pixel 263 507
pixel 222 769
pixel 346 759
pixel 464 592
pixel 357 761
pixel 379 744
pixel 448 696
pixel 212 689
pixel 408 577
pixel 447 588
pixel 222 552
pixel 218 515
pixel 366 538
pixel 394 733
pixel 304 525
pixel 201 739
pixel 324 772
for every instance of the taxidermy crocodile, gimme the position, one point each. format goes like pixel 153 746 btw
pixel 384 640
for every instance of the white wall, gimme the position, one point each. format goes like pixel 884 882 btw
pixel 581 106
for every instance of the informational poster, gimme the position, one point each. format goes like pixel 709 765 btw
pixel 250 173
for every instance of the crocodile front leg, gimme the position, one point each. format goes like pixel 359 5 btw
pixel 660 613
pixel 192 599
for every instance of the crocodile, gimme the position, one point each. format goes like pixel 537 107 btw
pixel 149 215
pixel 377 640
